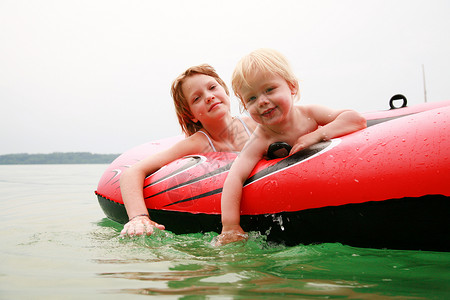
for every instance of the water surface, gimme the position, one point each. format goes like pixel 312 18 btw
pixel 57 244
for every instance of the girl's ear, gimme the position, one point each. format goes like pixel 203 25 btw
pixel 191 117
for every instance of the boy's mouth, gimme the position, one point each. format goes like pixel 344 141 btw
pixel 267 112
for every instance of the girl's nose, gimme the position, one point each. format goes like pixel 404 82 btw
pixel 209 98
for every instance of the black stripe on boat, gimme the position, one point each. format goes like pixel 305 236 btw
pixel 285 163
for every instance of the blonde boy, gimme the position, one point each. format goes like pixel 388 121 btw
pixel 267 87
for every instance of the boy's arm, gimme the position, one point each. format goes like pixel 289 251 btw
pixel 232 190
pixel 332 124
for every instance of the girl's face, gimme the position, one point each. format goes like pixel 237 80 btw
pixel 207 99
pixel 269 98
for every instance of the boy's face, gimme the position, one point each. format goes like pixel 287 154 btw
pixel 268 98
pixel 206 98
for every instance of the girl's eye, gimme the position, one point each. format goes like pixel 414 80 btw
pixel 212 87
pixel 196 99
pixel 269 89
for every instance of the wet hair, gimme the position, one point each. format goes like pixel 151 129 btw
pixel 261 60
pixel 182 109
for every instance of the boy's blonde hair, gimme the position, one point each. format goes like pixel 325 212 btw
pixel 262 60
pixel 182 109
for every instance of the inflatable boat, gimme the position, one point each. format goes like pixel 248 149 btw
pixel 387 186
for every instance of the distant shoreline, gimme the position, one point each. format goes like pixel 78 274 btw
pixel 57 158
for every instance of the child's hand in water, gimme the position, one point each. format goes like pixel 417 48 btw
pixel 230 235
pixel 140 225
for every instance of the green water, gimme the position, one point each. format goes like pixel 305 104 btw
pixel 256 268
pixel 57 244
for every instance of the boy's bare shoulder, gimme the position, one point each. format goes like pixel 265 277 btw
pixel 315 109
pixel 307 109
pixel 311 107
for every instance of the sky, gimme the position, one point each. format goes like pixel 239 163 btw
pixel 94 76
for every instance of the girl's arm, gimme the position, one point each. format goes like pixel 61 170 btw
pixel 332 123
pixel 132 184
pixel 232 191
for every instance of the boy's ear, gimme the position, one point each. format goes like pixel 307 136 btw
pixel 294 87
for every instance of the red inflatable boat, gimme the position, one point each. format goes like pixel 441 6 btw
pixel 387 186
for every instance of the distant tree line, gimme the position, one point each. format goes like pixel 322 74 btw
pixel 57 158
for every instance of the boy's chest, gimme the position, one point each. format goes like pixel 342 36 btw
pixel 292 133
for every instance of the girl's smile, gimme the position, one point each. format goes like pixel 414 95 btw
pixel 214 106
pixel 205 96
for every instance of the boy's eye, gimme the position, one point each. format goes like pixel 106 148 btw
pixel 269 89
pixel 250 99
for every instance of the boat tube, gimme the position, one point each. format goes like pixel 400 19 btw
pixel 387 186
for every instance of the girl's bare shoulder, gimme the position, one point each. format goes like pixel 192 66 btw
pixel 249 122
pixel 195 143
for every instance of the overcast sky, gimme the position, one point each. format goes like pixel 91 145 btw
pixel 95 75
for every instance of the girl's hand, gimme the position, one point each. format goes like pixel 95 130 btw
pixel 140 225
pixel 230 235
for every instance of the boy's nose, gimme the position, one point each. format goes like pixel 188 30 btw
pixel 262 100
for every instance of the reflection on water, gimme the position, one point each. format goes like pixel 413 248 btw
pixel 190 265
pixel 57 244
